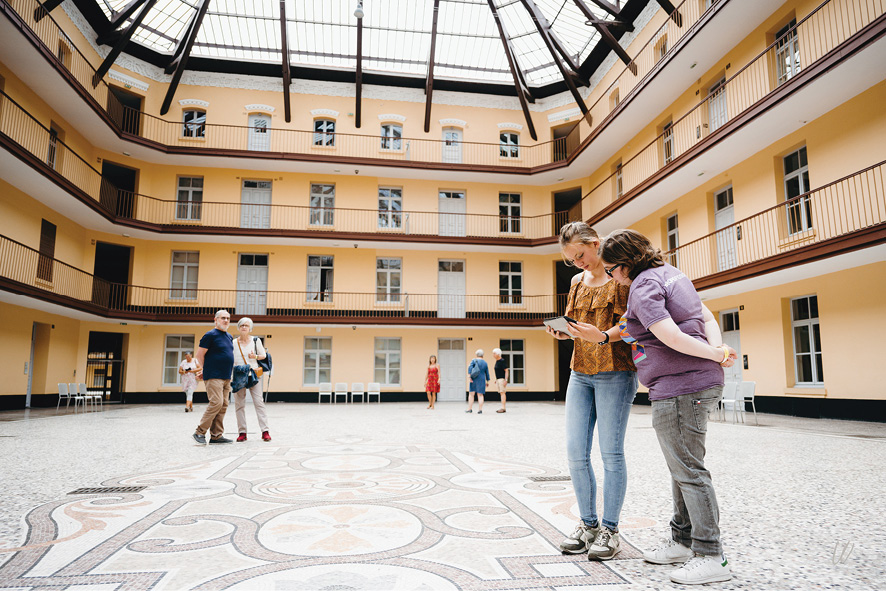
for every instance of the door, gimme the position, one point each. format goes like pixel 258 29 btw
pixel 453 370
pixel 255 208
pixel 724 216
pixel 118 189
pixel 252 285
pixel 126 110
pixel 451 289
pixel 104 365
pixel 729 326
pixel 717 114
pixel 259 132
pixel 452 144
pixel 452 213
pixel 111 270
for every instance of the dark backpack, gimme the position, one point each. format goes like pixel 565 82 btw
pixel 267 363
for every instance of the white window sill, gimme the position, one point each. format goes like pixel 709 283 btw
pixel 807 391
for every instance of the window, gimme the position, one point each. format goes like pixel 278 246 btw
pixel 512 350
pixel 319 278
pixel 807 341
pixel 787 53
pixel 174 353
pixel 322 205
pixel 324 132
pixel 47 251
pixel 387 361
pixel 717 109
pixel 190 198
pixel 388 279
pixel 63 53
pixel 510 282
pixel 509 212
pixel 667 143
pixel 661 48
pixel 796 183
pixel 614 99
pixel 509 145
pixel 194 123
pixel 729 320
pixel 390 136
pixel 673 240
pixel 618 180
pixel 56 137
pixel 185 270
pixel 318 360
pixel 390 207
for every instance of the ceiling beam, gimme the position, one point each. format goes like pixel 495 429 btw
pixel 176 57
pixel 607 36
pixel 608 7
pixel 110 34
pixel 359 73
pixel 287 73
pixel 123 39
pixel 45 8
pixel 184 51
pixel 553 42
pixel 519 82
pixel 429 85
pixel 672 11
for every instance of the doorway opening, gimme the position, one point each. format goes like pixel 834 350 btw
pixel 118 190
pixel 564 141
pixel 112 262
pixel 105 364
pixel 567 208
pixel 564 275
pixel 130 116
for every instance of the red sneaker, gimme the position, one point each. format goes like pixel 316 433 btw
pixel 242 437
pixel 265 436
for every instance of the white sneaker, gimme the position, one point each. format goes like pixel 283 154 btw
pixel 606 545
pixel 581 538
pixel 703 569
pixel 670 552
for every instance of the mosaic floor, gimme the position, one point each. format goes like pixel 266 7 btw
pixel 345 515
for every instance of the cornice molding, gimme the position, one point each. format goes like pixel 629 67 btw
pixel 513 126
pixel 194 102
pixel 325 113
pixel 392 117
pixel 259 108
pixel 455 122
pixel 564 115
pixel 128 81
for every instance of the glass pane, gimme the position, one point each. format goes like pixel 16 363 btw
pixel 801 339
pixel 170 375
pixel 791 162
pixel 819 367
pixel 816 338
pixel 804 368
pixel 801 309
pixel 813 307
pixel 172 342
pixel 171 359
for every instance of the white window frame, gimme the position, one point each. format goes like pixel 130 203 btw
pixel 389 217
pixel 180 351
pixel 510 213
pixel 619 180
pixel 386 270
pixel 799 213
pixel 661 48
pixel 673 239
pixel 509 273
pixel 509 144
pixel 322 204
pixel 183 290
pixel 324 133
pixel 317 274
pixel 392 137
pixel 52 150
pixel 315 350
pixel 787 53
pixel 813 324
pixel 194 126
pixel 385 358
pixel 192 206
pixel 506 346
pixel 667 143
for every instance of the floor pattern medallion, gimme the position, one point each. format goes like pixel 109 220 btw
pixel 348 515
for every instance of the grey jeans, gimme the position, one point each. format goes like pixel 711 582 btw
pixel 681 424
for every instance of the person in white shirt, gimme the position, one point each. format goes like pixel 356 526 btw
pixel 247 351
pixel 188 370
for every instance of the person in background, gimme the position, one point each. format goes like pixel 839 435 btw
pixel 187 370
pixel 215 357
pixel 677 346
pixel 601 390
pixel 432 381
pixel 478 373
pixel 502 375
pixel 247 351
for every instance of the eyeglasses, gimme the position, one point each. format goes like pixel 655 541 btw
pixel 612 268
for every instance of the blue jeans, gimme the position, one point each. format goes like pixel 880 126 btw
pixel 603 399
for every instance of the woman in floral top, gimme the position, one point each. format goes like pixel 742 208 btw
pixel 601 390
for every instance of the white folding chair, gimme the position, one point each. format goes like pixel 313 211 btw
pixel 63 393
pixel 84 391
pixel 325 390
pixel 341 389
pixel 374 390
pixel 358 390
pixel 746 394
pixel 729 402
pixel 74 390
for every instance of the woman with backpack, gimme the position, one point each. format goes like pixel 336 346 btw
pixel 478 373
pixel 247 351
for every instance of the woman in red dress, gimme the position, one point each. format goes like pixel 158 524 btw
pixel 432 382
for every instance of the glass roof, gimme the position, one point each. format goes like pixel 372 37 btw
pixel 396 35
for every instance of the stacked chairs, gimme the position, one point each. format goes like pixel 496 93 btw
pixel 358 390
pixel 74 390
pixel 99 398
pixel 341 389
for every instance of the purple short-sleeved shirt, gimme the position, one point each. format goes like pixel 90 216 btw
pixel 656 294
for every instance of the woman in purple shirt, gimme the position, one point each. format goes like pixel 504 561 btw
pixel 676 346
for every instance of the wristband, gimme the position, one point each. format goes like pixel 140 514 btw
pixel 605 340
pixel 725 353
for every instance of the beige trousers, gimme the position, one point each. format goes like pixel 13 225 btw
pixel 213 419
pixel 257 401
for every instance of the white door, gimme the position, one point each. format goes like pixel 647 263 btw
pixel 453 370
pixel 259 132
pixel 717 113
pixel 724 216
pixel 451 289
pixel 252 285
pixel 255 204
pixel 451 144
pixel 730 327
pixel 452 213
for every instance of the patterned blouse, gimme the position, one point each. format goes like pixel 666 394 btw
pixel 601 306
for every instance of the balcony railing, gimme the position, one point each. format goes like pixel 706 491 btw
pixel 832 23
pixel 25 270
pixel 300 144
pixel 840 209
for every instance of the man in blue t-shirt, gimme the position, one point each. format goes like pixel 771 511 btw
pixel 216 358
